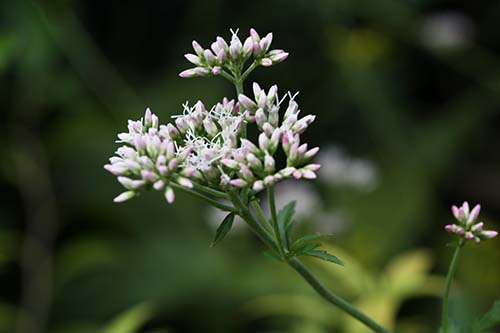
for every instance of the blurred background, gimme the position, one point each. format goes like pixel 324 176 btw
pixel 407 95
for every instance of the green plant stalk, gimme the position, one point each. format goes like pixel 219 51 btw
pixel 274 219
pixel 262 217
pixel 329 296
pixel 449 280
pixel 275 243
pixel 203 197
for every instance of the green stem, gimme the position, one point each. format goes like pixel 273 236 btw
pixel 274 220
pixel 211 191
pixel 227 76
pixel 203 197
pixel 249 70
pixel 332 298
pixel 449 280
pixel 262 217
pixel 246 215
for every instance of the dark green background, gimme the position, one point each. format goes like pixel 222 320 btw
pixel 73 72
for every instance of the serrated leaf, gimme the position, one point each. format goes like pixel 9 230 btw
pixel 305 248
pixel 324 256
pixel 223 229
pixel 299 242
pixel 492 317
pixel 285 216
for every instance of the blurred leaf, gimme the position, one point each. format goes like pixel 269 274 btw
pixel 7 48
pixel 325 256
pixel 7 317
pixel 131 320
pixel 492 317
pixel 9 241
pixel 223 229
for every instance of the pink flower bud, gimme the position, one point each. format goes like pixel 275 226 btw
pixel 158 185
pixel 449 228
pixel 197 48
pixel 194 59
pixel 238 183
pixel 477 227
pixel 258 186
pixel 248 47
pixel 308 174
pixel 455 211
pixel 487 234
pixel 311 153
pixel 216 70
pixel 124 196
pixel 169 194
pixel 474 214
pixel 247 103
pixel 469 235
pixel 209 57
pixel 266 62
pixel 255 36
pixel 277 58
pixel 184 182
pixel 297 174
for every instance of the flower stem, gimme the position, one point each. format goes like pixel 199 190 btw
pixel 274 219
pixel 449 280
pixel 262 217
pixel 332 298
pixel 203 197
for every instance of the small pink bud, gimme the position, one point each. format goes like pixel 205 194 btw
pixel 469 235
pixel 216 70
pixel 185 182
pixel 474 214
pixel 169 194
pixel 247 103
pixel 455 211
pixel 266 62
pixel 297 174
pixel 477 227
pixel 449 228
pixel 487 234
pixel 124 196
pixel 197 48
pixel 255 36
pixel 238 182
pixel 258 186
pixel 159 185
pixel 194 59
pixel 308 174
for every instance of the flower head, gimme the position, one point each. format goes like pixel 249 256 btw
pixel 229 55
pixel 467 226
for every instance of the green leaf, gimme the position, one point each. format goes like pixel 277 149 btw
pixel 223 229
pixel 299 242
pixel 492 317
pixel 284 220
pixel 324 256
pixel 305 248
pixel 131 320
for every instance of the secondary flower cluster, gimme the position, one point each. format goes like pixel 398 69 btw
pixel 232 55
pixel 206 147
pixel 467 226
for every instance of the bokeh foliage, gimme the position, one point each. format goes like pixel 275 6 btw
pixel 72 73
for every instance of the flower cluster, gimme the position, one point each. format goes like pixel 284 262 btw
pixel 254 163
pixel 206 147
pixel 149 159
pixel 232 55
pixel 467 226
